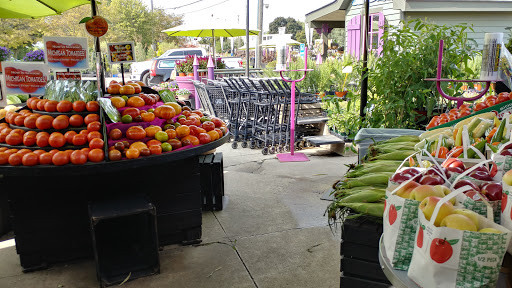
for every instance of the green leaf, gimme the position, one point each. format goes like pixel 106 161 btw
pixel 398 208
pixel 85 20
pixel 453 241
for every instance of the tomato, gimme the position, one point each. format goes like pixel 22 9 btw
pixel 11 151
pixel 78 157
pixel 114 155
pixel 182 131
pixel 135 133
pixel 222 134
pixel 197 112
pixel 60 123
pixel 30 159
pixel 30 121
pixel 204 138
pixel 19 120
pixel 14 139
pixel 60 158
pixel 132 153
pixel 79 139
pixel 53 151
pixel 69 136
pixel 186 113
pixel 171 133
pixel 33 104
pixel 208 126
pixel 115 134
pixel 153 142
pixel 94 134
pixel 189 140
pixel 147 116
pixel 480 106
pixel 19 131
pixel 96 143
pixel 92 106
pixel 9 116
pixel 145 152
pixel 166 112
pixel 464 113
pixel 45 158
pixel 29 138
pixel 224 130
pixel 42 139
pixel 76 120
pixel 91 118
pixel 502 97
pixel 96 155
pixel 38 152
pixel 214 134
pixel 151 130
pixel 40 104
pixel 175 143
pixel 57 140
pixel 44 122
pixel 79 106
pixel 24 151
pixel 15 159
pixel 94 126
pixel 86 150
pixel 155 149
pixel 51 106
pixel 132 111
pixel 64 106
pixel 4 158
pixel 29 101
pixel 490 100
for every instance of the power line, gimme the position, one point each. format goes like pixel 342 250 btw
pixel 177 7
pixel 205 7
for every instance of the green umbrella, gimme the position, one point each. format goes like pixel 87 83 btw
pixel 37 8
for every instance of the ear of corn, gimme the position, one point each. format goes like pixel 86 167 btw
pixel 371 209
pixel 396 155
pixel 367 180
pixel 367 196
pixel 403 138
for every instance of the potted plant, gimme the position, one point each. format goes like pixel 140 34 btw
pixel 185 67
pixel 5 54
pixel 183 94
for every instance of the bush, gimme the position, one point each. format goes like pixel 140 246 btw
pixel 36 55
pixel 5 53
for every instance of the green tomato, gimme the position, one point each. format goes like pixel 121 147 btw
pixel 166 147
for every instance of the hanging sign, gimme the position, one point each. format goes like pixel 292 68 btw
pixel 66 52
pixel 301 50
pixel 24 77
pixel 122 52
pixel 76 75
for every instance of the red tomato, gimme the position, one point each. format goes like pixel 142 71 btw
pixel 96 155
pixel 39 152
pixel 208 125
pixel 44 122
pixel 91 118
pixel 94 126
pixel 79 106
pixel 30 121
pixel 155 149
pixel 69 136
pixel 30 159
pixel 4 158
pixel 92 106
pixel 42 139
pixel 20 120
pixel 78 157
pixel 204 138
pixel 51 106
pixel 57 140
pixel 135 133
pixel 502 97
pixel 29 138
pixel 60 158
pixel 64 106
pixel 480 106
pixel 96 143
pixel 93 134
pixel 14 139
pixel 45 158
pixel 60 123
pixel 76 120
pixel 79 139
pixel 15 159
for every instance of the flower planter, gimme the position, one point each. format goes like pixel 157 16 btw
pixel 185 82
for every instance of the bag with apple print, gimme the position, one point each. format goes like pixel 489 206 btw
pixel 485 189
pixel 449 257
pixel 400 218
pixel 506 201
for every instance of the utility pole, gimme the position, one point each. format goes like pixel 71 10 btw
pixel 260 35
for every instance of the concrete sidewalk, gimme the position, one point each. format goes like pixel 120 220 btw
pixel 272 232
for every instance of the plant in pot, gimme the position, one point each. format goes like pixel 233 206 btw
pixel 185 67
pixel 5 54
pixel 183 94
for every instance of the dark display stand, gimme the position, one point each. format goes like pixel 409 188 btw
pixel 49 204
pixel 212 181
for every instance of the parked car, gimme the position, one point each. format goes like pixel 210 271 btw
pixel 162 70
pixel 233 62
pixel 140 71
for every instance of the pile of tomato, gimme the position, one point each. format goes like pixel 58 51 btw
pixel 52 133
pixel 466 110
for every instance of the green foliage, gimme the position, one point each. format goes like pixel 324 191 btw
pixel 292 25
pixel 397 88
pixel 343 114
pixel 508 45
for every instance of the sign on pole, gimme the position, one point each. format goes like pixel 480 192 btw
pixel 122 52
pixel 66 52
pixel 301 50
pixel 24 77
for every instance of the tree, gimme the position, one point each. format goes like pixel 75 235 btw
pixel 20 34
pixel 293 27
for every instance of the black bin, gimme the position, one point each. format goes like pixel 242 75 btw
pixel 212 181
pixel 125 239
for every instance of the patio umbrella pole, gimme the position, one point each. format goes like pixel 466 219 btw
pixel 247 48
pixel 364 76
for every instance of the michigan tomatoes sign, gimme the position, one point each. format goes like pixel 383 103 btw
pixel 66 52
pixel 25 77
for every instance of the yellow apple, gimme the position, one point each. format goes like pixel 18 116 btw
pixel 470 214
pixel 507 178
pixel 428 205
pixel 405 191
pixel 423 191
pixel 490 230
pixel 458 221
pixel 445 190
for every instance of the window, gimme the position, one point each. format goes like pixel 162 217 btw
pixel 194 52
pixel 176 53
pixel 167 64
pixel 374 31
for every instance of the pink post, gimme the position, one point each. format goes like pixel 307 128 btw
pixel 196 66
pixel 211 67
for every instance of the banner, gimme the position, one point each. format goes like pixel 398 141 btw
pixel 66 52
pixel 122 52
pixel 25 77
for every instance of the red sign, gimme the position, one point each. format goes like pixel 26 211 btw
pixel 27 81
pixel 68 55
pixel 68 75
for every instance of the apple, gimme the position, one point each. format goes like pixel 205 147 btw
pixel 508 146
pixel 475 196
pixel 398 177
pixel 431 180
pixel 464 182
pixel 445 190
pixel 470 214
pixel 441 250
pixel 507 178
pixel 459 221
pixel 435 171
pixel 453 162
pixel 506 152
pixel 490 230
pixel 455 169
pixel 423 191
pixel 428 205
pixel 411 171
pixel 405 191
pixel 481 175
pixel 492 190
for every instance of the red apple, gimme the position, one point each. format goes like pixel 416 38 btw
pixel 465 182
pixel 473 194
pixel 506 152
pixel 455 169
pixel 492 190
pixel 453 162
pixel 431 180
pixel 399 177
pixel 481 175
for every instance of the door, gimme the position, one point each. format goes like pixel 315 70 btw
pixel 354 36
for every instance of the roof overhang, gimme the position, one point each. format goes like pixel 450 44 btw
pixel 333 14
pixel 452 6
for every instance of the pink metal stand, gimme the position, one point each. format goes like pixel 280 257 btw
pixel 438 80
pixel 292 156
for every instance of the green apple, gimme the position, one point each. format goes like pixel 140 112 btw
pixel 423 191
pixel 470 214
pixel 507 178
pixel 458 221
pixel 490 230
pixel 428 205
pixel 405 191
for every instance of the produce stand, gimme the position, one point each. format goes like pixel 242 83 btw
pixel 49 204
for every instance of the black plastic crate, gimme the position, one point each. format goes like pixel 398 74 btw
pixel 125 239
pixel 5 223
pixel 212 181
pixel 187 236
pixel 363 231
pixel 363 269
pixel 354 282
pixel 180 228
pixel 361 252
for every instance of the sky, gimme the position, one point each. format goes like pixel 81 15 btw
pixel 235 11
